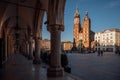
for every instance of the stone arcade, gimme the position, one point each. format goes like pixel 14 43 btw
pixel 21 26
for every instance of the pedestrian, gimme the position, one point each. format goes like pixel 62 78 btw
pixel 101 52
pixel 119 52
pixel 116 51
pixel 98 52
pixel 34 53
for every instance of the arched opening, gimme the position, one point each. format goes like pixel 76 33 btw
pixel 13 35
pixel 25 26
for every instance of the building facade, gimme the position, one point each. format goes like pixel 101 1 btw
pixel 82 33
pixel 67 46
pixel 45 44
pixel 108 40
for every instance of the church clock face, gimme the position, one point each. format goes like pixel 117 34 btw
pixel 80 37
pixel 76 21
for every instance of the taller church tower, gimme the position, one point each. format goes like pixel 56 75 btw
pixel 77 26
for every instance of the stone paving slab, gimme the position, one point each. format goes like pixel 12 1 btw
pixel 93 67
pixel 20 68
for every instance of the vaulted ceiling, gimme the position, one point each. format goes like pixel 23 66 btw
pixel 21 15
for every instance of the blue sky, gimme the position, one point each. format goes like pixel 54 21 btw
pixel 104 14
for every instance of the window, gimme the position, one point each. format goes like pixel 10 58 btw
pixel 103 38
pixel 111 37
pixel 96 37
pixel 107 34
pixel 111 41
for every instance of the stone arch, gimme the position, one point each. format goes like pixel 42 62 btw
pixel 4 38
pixel 5 23
pixel 55 25
pixel 8 35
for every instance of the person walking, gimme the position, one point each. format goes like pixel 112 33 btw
pixel 119 52
pixel 98 52
pixel 101 53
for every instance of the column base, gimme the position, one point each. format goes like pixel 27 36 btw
pixel 55 72
pixel 36 61
pixel 1 65
pixel 30 58
pixel 25 55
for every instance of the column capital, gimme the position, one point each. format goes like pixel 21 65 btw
pixel 52 27
pixel 30 39
pixel 37 36
pixel 55 14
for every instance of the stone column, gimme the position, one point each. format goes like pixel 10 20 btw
pixel 30 48
pixel 8 44
pixel 11 47
pixel 37 51
pixel 55 68
pixel 55 24
pixel 24 49
pixel 1 52
pixel 6 55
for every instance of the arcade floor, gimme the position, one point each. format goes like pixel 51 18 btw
pixel 19 67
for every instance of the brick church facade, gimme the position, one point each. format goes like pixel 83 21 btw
pixel 83 35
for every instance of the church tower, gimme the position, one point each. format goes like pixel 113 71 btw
pixel 76 26
pixel 82 33
pixel 86 31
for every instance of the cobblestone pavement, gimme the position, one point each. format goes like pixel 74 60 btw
pixel 93 67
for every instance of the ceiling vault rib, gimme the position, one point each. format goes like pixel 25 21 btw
pixel 8 2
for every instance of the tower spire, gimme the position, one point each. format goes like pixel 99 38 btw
pixel 86 15
pixel 77 12
pixel 77 9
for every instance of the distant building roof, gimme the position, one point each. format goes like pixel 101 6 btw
pixel 113 29
pixel 109 30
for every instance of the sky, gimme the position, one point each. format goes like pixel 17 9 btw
pixel 104 14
